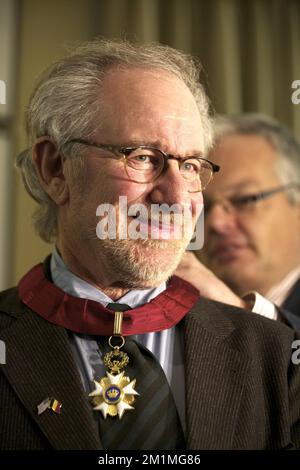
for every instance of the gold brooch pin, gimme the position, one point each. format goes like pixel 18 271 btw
pixel 114 393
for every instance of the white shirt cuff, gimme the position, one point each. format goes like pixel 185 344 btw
pixel 259 304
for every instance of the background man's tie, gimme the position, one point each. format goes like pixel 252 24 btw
pixel 154 422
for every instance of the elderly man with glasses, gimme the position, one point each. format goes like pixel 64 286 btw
pixel 252 215
pixel 106 349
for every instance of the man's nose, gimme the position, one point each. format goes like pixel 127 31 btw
pixel 220 218
pixel 171 188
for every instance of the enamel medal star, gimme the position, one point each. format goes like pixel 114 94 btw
pixel 115 393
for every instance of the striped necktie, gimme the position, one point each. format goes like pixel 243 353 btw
pixel 154 422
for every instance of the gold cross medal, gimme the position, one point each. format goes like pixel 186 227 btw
pixel 114 393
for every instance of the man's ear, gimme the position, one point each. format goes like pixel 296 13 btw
pixel 51 170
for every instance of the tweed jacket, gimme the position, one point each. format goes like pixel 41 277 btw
pixel 242 389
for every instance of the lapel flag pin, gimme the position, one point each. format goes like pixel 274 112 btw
pixel 49 404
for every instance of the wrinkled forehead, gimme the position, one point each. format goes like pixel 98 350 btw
pixel 146 86
pixel 155 105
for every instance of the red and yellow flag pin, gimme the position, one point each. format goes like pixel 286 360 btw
pixel 49 404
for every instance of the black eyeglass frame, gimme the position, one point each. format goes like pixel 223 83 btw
pixel 122 151
pixel 262 195
pixel 256 197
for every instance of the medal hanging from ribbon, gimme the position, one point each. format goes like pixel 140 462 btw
pixel 115 393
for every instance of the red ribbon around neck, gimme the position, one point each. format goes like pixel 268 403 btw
pixel 90 317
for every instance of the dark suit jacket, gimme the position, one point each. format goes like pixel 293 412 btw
pixel 242 391
pixel 292 303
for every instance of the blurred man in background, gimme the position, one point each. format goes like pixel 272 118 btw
pixel 252 212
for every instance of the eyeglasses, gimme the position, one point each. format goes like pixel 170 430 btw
pixel 247 202
pixel 144 164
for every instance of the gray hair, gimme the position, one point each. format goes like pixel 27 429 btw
pixel 277 135
pixel 65 104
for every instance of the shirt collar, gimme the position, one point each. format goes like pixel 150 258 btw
pixel 279 293
pixel 74 285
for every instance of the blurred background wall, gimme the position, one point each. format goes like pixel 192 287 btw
pixel 250 51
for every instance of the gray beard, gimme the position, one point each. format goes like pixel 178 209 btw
pixel 135 262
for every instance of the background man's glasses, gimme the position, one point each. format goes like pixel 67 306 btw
pixel 144 164
pixel 246 203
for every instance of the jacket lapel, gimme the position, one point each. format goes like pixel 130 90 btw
pixel 35 373
pixel 215 378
